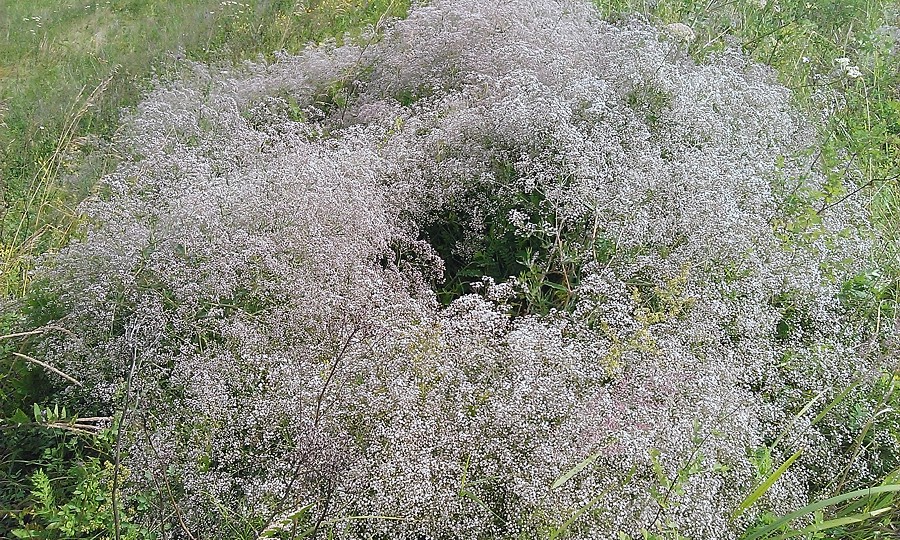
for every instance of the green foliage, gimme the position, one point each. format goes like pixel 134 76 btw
pixel 58 478
pixel 542 260
pixel 873 295
pixel 502 254
pixel 263 27
pixel 861 514
pixel 78 505
pixel 867 513
pixel 649 101
pixel 764 464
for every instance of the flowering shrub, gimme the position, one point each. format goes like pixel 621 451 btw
pixel 497 271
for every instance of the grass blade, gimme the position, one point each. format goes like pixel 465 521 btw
pixel 833 523
pixel 566 476
pixel 818 505
pixel 556 533
pixel 761 490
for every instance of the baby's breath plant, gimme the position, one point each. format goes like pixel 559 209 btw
pixel 492 271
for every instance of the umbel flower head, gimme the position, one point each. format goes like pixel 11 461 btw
pixel 422 276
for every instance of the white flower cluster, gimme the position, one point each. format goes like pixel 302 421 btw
pixel 265 260
pixel 852 72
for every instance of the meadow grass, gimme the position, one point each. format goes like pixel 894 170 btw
pixel 68 68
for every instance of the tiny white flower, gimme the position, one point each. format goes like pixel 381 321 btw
pixel 843 61
pixel 853 72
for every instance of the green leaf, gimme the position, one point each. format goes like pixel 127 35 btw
pixel 285 522
pixel 796 417
pixel 762 488
pixel 556 286
pixel 474 498
pixel 840 397
pixel 19 417
pixel 578 513
pixel 566 476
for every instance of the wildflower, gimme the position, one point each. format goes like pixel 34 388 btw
pixel 851 71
